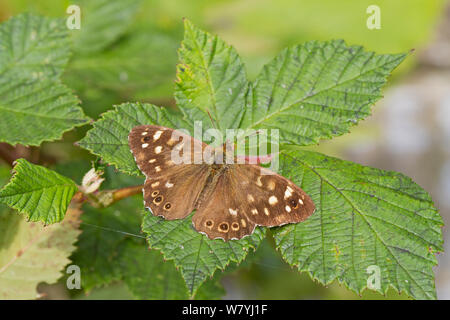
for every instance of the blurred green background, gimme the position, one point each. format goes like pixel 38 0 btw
pixel 127 52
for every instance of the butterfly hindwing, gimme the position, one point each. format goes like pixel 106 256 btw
pixel 246 196
pixel 219 213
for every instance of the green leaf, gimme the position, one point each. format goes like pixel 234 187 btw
pixel 31 253
pixel 364 216
pixel 132 69
pixel 103 21
pixel 109 137
pixel 197 256
pixel 104 230
pixel 33 47
pixel 148 276
pixel 211 289
pixel 39 193
pixel 98 246
pixel 317 90
pixel 34 106
pixel 37 111
pixel 210 78
pixel 110 249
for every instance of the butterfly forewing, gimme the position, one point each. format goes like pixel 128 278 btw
pixel 170 189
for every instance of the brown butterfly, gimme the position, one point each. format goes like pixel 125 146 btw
pixel 230 199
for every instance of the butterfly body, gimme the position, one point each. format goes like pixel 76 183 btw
pixel 230 200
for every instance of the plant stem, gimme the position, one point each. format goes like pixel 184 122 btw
pixel 120 194
pixel 106 198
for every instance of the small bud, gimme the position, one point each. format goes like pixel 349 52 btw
pixel 91 181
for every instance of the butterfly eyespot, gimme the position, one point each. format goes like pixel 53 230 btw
pixel 167 206
pixel 209 223
pixel 294 204
pixel 155 193
pixel 158 199
pixel 235 226
pixel 223 227
pixel 145 139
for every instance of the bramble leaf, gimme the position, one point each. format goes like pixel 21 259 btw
pixel 210 78
pixel 40 193
pixel 34 105
pixel 364 217
pixel 148 276
pixel 33 47
pixel 109 137
pixel 317 90
pixel 31 253
pixel 37 111
pixel 197 256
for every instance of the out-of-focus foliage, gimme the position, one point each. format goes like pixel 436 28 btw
pixel 31 253
pixel 140 59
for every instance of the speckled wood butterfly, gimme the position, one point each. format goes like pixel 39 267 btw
pixel 230 199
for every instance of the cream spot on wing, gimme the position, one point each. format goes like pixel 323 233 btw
pixel 244 224
pixel 157 135
pixel 158 149
pixel 288 209
pixel 171 142
pixel 232 212
pixel 271 185
pixel 288 192
pixel 151 160
pixel 266 211
pixel 155 184
pixel 168 184
pixel 145 145
pixel 273 200
pixel 157 168
pixel 258 182
pixel 144 133
pixel 170 162
pixel 250 198
pixel 300 201
pixel 254 211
